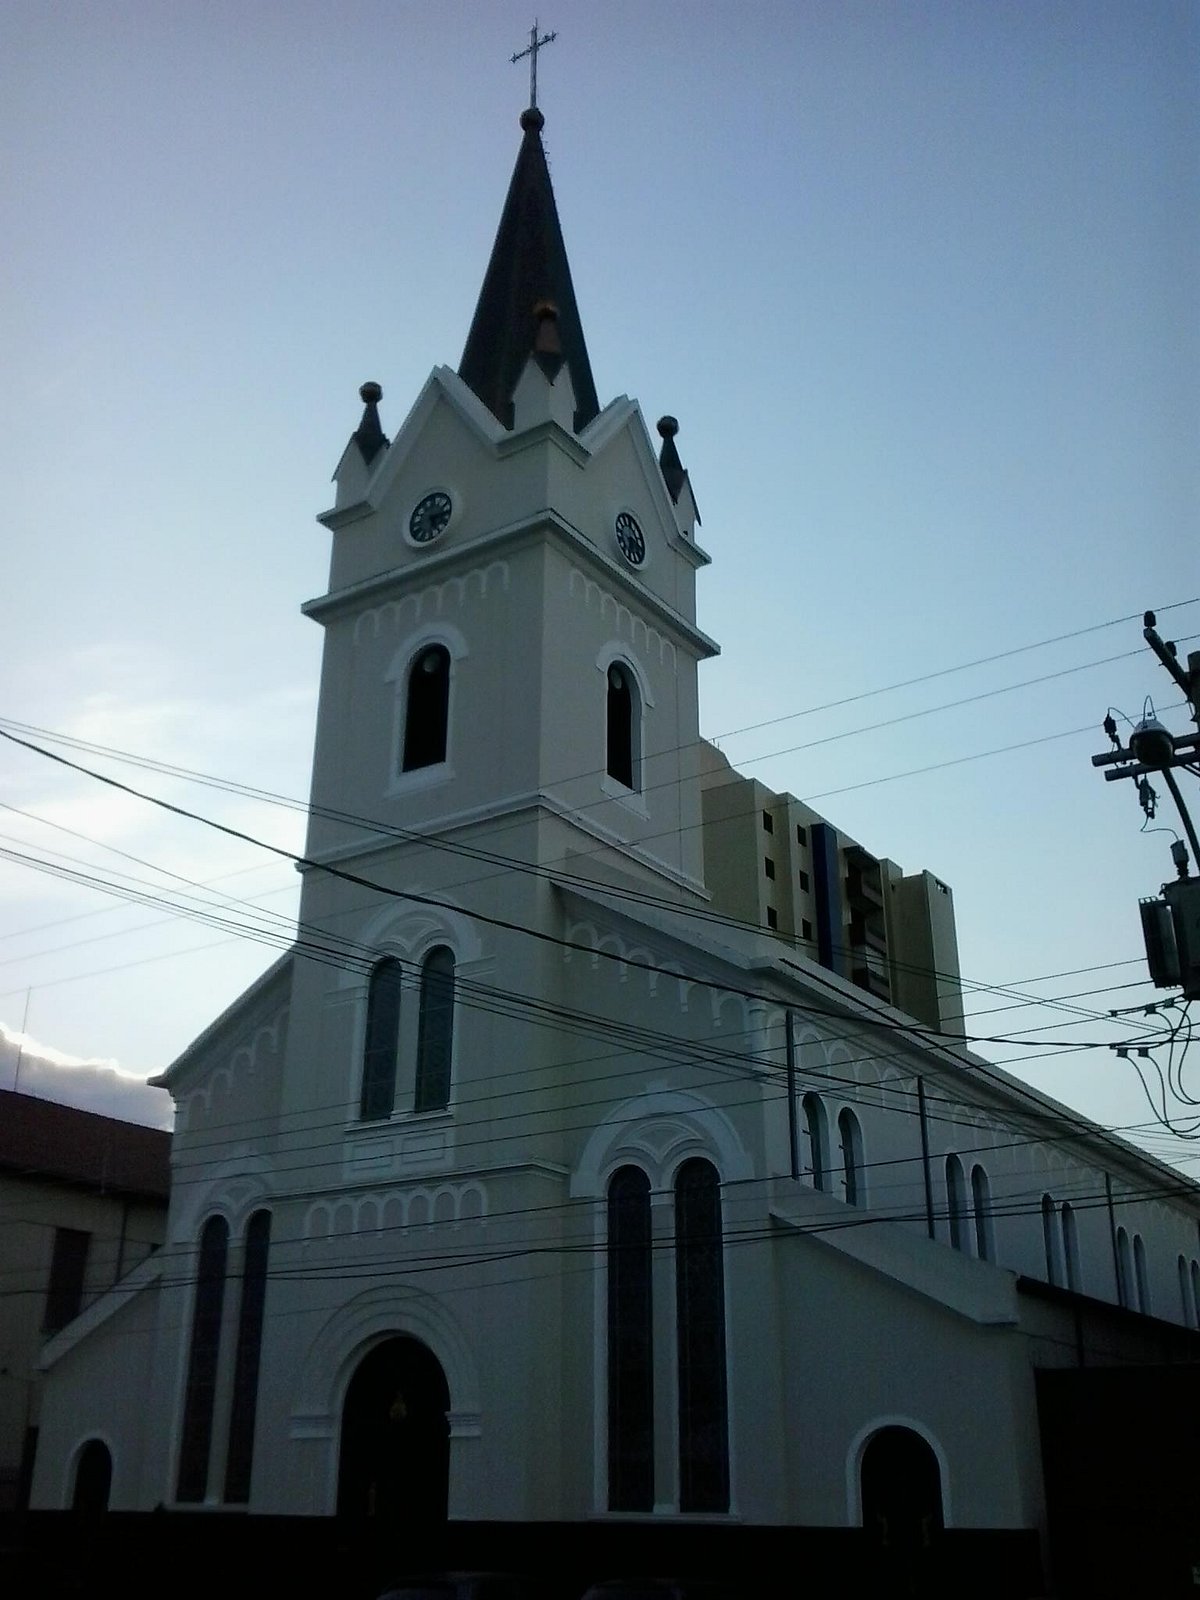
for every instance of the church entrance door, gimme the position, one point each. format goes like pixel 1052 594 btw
pixel 901 1498
pixel 394 1461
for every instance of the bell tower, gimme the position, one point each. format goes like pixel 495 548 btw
pixel 511 646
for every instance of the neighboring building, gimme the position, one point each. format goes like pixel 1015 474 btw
pixel 528 1188
pixel 83 1200
pixel 773 862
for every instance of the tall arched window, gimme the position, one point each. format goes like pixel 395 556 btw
pixel 435 1032
pixel 1125 1291
pixel 1185 1294
pixel 382 1041
pixel 1196 1292
pixel 1051 1240
pixel 240 1454
pixel 201 1387
pixel 956 1202
pixel 850 1138
pixel 1141 1274
pixel 1070 1238
pixel 427 709
pixel 630 1344
pixel 700 1327
pixel 816 1123
pixel 623 735
pixel 981 1207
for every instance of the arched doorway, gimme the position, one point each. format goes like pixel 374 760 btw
pixel 93 1478
pixel 394 1459
pixel 901 1495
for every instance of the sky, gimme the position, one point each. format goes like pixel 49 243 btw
pixel 918 281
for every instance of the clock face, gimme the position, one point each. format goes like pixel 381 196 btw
pixel 630 539
pixel 430 517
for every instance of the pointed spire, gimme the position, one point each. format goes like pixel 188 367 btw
pixel 668 458
pixel 527 274
pixel 369 435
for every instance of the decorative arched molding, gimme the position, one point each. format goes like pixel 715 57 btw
pixel 380 1210
pixel 409 930
pixel 243 1062
pixel 242 1184
pixel 434 632
pixel 429 603
pixel 659 1130
pixel 616 650
pixel 629 626
pixel 366 1321
pixel 854 1464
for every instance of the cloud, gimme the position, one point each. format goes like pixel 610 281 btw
pixel 49 1074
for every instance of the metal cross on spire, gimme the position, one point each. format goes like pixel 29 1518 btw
pixel 535 44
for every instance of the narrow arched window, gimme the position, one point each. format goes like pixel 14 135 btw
pixel 201 1386
pixel 816 1124
pixel 1070 1237
pixel 850 1138
pixel 1185 1294
pixel 382 1041
pixel 956 1202
pixel 1124 1269
pixel 630 1344
pixel 622 726
pixel 435 1032
pixel 981 1207
pixel 1196 1293
pixel 1141 1274
pixel 1052 1241
pixel 427 709
pixel 240 1454
pixel 700 1329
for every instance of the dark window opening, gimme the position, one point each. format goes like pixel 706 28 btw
pixel 772 917
pixel 240 1456
pixel 435 1031
pixel 804 882
pixel 621 726
pixel 768 822
pixel 801 836
pixel 93 1479
pixel 768 866
pixel 64 1295
pixel 700 1318
pixel 201 1388
pixel 427 709
pixel 630 1344
pixel 806 929
pixel 382 1042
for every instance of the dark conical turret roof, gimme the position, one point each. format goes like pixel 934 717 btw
pixel 528 271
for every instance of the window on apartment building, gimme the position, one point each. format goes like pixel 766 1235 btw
pixel 426 709
pixel 850 1141
pixel 768 866
pixel 201 1386
pixel 772 917
pixel 700 1330
pixel 981 1209
pixel 240 1453
pixel 816 1123
pixel 630 1344
pixel 68 1265
pixel 804 881
pixel 801 835
pixel 768 822
pixel 806 929
pixel 381 1044
pixel 956 1202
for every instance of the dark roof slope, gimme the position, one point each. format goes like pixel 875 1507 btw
pixel 528 268
pixel 42 1139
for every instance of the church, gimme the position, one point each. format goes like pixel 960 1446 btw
pixel 534 1183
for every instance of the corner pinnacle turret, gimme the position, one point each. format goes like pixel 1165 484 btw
pixel 527 274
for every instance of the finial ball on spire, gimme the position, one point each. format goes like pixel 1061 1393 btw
pixel 668 427
pixel 370 394
pixel 532 120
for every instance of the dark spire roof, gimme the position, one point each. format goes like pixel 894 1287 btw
pixel 668 458
pixel 369 435
pixel 528 271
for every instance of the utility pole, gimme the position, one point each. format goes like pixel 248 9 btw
pixel 1171 921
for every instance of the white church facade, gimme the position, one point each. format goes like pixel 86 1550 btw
pixel 524 1187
